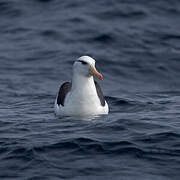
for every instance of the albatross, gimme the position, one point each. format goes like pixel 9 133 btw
pixel 83 95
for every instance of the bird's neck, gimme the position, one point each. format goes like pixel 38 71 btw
pixel 83 84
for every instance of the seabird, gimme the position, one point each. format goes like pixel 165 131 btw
pixel 82 96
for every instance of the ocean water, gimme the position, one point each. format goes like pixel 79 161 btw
pixel 136 45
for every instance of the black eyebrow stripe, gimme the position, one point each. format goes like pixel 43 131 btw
pixel 83 62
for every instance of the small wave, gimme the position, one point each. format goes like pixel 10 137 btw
pixel 167 37
pixel 128 14
pixel 44 1
pixel 127 105
pixel 117 101
pixel 7 8
pixel 20 153
pixel 83 145
pixel 159 137
pixel 104 38
pixel 49 33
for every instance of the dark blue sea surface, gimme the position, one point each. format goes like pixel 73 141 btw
pixel 136 45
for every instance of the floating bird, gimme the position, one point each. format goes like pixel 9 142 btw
pixel 82 96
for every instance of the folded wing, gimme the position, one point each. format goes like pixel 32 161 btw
pixel 63 90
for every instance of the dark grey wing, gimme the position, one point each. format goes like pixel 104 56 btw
pixel 64 89
pixel 100 93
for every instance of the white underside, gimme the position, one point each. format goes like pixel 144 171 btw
pixel 83 110
pixel 82 100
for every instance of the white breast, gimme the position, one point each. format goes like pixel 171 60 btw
pixel 82 99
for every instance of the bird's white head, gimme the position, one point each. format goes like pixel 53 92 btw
pixel 85 66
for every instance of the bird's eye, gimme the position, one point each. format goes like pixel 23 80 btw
pixel 83 62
